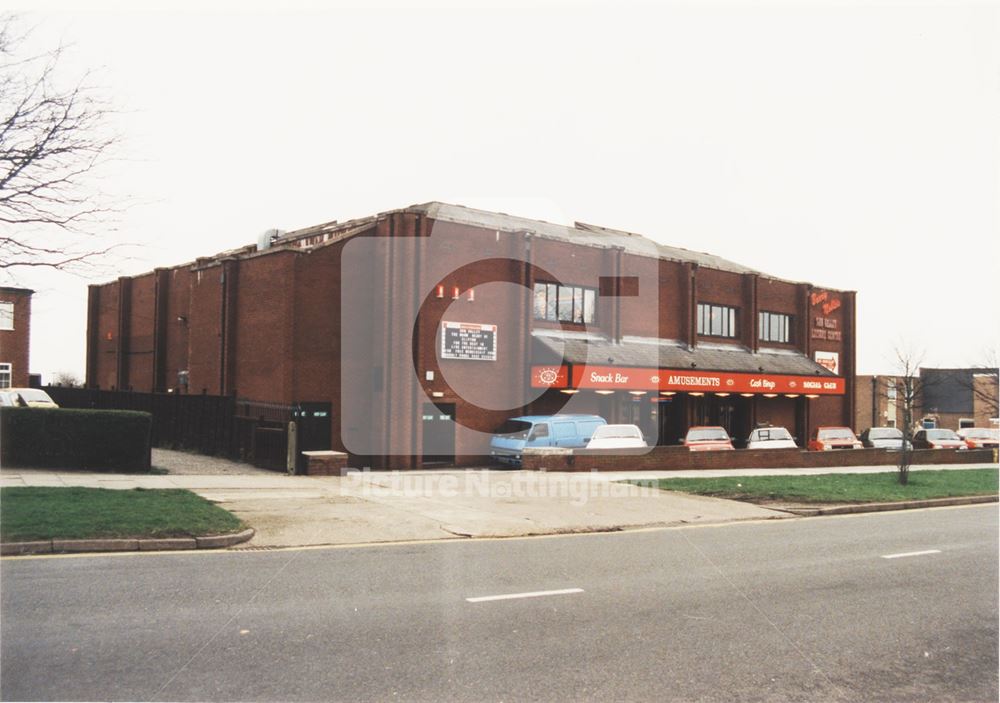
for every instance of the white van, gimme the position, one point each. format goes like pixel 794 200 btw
pixel 518 433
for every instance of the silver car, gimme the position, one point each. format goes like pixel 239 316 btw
pixel 25 398
pixel 771 438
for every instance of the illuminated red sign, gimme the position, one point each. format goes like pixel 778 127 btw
pixel 549 376
pixel 642 379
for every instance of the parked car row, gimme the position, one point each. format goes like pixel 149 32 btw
pixel 980 437
pixel 25 398
pixel 593 432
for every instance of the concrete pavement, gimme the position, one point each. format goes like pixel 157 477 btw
pixel 387 507
pixel 400 506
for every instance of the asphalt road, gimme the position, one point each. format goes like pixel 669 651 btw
pixel 781 610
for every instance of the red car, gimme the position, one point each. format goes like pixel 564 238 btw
pixel 825 438
pixel 938 438
pixel 980 437
pixel 708 439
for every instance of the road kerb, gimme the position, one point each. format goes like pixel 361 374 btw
pixel 95 545
pixel 883 507
pixel 16 548
pixel 123 545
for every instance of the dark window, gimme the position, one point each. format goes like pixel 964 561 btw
pixel 774 327
pixel 716 320
pixel 565 303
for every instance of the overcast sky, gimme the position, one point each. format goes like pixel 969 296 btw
pixel 854 145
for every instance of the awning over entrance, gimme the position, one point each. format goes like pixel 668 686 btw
pixel 578 361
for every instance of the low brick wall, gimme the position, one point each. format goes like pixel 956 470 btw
pixel 667 458
pixel 325 463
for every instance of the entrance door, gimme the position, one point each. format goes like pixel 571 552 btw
pixel 313 421
pixel 732 414
pixel 438 433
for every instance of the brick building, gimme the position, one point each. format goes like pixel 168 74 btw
pixel 957 398
pixel 879 403
pixel 425 328
pixel 15 335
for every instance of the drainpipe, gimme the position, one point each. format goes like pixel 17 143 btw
pixel 874 401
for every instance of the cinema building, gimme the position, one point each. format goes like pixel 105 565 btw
pixel 423 329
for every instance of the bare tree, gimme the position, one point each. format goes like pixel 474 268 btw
pixel 53 140
pixel 909 389
pixel 66 378
pixel 983 384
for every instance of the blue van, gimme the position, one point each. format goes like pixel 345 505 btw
pixel 517 433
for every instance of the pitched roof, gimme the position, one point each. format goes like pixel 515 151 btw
pixel 581 233
pixel 649 352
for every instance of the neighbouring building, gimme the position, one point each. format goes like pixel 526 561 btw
pixel 15 335
pixel 879 403
pixel 957 398
pixel 423 329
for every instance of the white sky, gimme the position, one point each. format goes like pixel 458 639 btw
pixel 854 145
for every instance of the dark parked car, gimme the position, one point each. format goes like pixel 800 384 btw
pixel 938 439
pixel 883 438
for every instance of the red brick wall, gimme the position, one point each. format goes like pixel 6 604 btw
pixel 265 327
pixel 15 348
pixel 502 304
pixel 141 314
pixel 205 330
pixel 176 330
pixel 102 349
pixel 640 314
pixel 669 458
pixel 674 299
pixel 723 288
pixel 780 297
pixel 779 412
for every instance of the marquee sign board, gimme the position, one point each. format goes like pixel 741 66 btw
pixel 468 340
pixel 645 379
pixel 828 360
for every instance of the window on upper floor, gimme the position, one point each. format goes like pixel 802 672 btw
pixel 6 375
pixel 716 320
pixel 774 327
pixel 565 303
pixel 6 316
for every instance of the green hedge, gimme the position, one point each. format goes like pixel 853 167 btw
pixel 101 440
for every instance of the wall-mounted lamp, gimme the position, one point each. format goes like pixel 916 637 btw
pixel 471 295
pixel 668 392
pixel 696 394
pixel 811 396
pixel 455 292
pixel 722 395
pixel 604 392
pixel 637 392
pixel 770 395
pixel 791 395
pixel 569 391
pixel 182 319
pixel 440 291
pixel 747 395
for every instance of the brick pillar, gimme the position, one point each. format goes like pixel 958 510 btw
pixel 124 331
pixel 93 334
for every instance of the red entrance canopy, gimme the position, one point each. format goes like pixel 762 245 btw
pixel 640 379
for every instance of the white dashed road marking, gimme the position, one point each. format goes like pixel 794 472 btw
pixel 911 554
pixel 531 594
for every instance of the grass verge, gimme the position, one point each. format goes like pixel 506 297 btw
pixel 838 488
pixel 28 513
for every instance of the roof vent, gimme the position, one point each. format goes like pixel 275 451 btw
pixel 267 237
